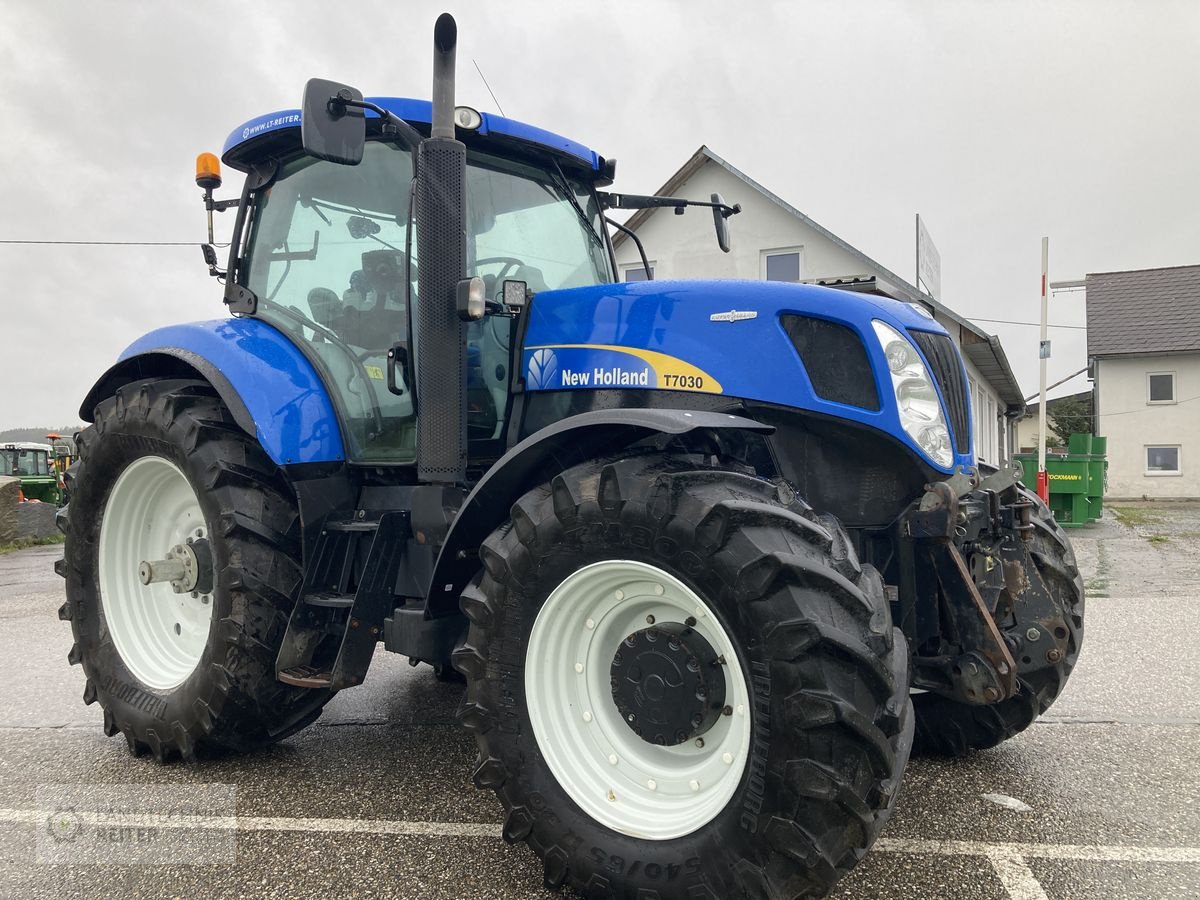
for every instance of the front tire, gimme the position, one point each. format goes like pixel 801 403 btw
pixel 799 771
pixel 165 466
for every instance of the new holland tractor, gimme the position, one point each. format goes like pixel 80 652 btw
pixel 713 557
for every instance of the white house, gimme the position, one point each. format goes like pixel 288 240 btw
pixel 774 240
pixel 1144 345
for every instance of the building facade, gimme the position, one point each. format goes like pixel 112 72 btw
pixel 773 240
pixel 1144 348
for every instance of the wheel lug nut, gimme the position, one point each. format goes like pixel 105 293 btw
pixel 652 784
pixel 590 623
pixel 612 759
pixel 659 590
pixel 694 785
pixel 727 758
pixel 620 595
pixel 649 620
pixel 696 720
pixel 728 711
pixel 587 716
pixel 699 742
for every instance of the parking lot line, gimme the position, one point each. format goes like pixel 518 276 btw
pixel 1015 875
pixel 1074 852
pixel 990 850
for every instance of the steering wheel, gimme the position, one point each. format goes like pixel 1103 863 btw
pixel 509 262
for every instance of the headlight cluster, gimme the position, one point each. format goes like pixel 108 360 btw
pixel 916 397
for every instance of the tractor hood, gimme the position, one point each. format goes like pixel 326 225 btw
pixel 734 338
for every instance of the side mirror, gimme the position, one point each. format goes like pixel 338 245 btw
pixel 331 129
pixel 720 223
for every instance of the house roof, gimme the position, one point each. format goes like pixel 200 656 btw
pixel 1143 311
pixel 987 347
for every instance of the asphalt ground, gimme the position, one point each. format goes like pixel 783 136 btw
pixel 375 799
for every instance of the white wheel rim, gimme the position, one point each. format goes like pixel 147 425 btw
pixel 623 782
pixel 160 634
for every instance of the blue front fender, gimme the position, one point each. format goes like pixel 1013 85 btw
pixel 272 389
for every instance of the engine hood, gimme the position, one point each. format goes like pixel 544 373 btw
pixel 714 337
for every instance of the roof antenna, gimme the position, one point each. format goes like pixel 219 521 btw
pixel 488 86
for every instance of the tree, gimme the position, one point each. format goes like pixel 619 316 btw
pixel 1068 416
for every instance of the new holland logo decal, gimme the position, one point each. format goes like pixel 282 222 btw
pixel 600 366
pixel 543 367
pixel 734 315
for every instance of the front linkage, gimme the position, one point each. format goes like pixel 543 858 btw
pixel 972 601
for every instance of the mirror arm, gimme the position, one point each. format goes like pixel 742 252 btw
pixel 642 201
pixel 410 135
pixel 637 242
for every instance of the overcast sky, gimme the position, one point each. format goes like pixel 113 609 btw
pixel 999 122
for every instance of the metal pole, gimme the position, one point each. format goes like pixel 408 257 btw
pixel 1043 482
pixel 917 277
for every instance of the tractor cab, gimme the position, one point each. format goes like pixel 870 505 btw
pixel 33 463
pixel 333 260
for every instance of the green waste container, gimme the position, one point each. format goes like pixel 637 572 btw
pixel 1076 479
pixel 1078 444
pixel 1097 475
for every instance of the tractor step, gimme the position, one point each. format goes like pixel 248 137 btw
pixel 349 589
pixel 330 601
pixel 306 677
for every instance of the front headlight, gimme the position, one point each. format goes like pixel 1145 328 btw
pixel 916 397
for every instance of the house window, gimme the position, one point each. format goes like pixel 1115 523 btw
pixel 638 273
pixel 1163 460
pixel 1160 387
pixel 782 265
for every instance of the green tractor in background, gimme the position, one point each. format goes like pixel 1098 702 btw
pixel 37 467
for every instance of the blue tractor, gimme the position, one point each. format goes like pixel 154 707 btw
pixel 712 557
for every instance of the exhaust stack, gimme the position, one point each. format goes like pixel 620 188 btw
pixel 442 242
pixel 445 42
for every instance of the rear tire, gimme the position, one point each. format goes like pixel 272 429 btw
pixel 948 728
pixel 219 692
pixel 810 633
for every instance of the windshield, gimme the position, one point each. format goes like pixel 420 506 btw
pixel 24 462
pixel 326 258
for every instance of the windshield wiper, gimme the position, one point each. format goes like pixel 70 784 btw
pixel 564 187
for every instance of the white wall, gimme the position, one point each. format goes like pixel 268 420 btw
pixel 686 247
pixel 1131 423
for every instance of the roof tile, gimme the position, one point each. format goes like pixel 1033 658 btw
pixel 1144 311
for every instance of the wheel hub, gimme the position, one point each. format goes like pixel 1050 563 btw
pixel 668 684
pixel 186 567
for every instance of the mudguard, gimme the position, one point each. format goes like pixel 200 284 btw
pixel 272 390
pixel 552 449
